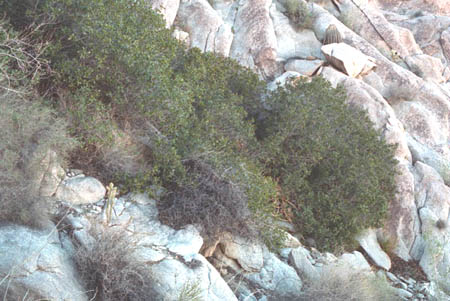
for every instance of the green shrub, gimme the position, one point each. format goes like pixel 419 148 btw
pixel 153 112
pixel 108 269
pixel 329 161
pixel 28 131
pixel 299 13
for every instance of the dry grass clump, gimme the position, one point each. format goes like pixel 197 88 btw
pixel 28 131
pixel 340 283
pixel 12 291
pixel 108 269
pixel 208 200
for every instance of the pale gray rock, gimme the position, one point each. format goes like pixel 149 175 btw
pixel 354 261
pixel 348 59
pixel 185 242
pixel 291 241
pixel 430 157
pixel 291 43
pixel 80 190
pixel 206 28
pixel 283 79
pixel 433 195
pixel 168 9
pixel 227 9
pixel 431 192
pixel 277 277
pixel 300 259
pixel 403 293
pixel 435 260
pixel 173 277
pixel 35 261
pixel 248 254
pixel 255 44
pixel 425 120
pixel 403 225
pixel 304 67
pixel 182 36
pixel 368 241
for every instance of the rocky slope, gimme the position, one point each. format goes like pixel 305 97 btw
pixel 393 61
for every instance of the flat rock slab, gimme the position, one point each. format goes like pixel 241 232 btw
pixel 348 59
pixel 81 190
pixel 368 241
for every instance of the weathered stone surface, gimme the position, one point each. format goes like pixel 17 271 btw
pixel 435 260
pixel 185 242
pixel 300 259
pixel 368 241
pixel 283 79
pixel 430 157
pixel 445 42
pixel 35 261
pixel 304 67
pixel 348 59
pixel 373 26
pixel 80 190
pixel 255 44
pixel 426 30
pixel 426 120
pixel 426 67
pixel 293 43
pixel 354 261
pixel 400 84
pixel 277 277
pixel 206 28
pixel 172 256
pixel 52 176
pixel 172 276
pixel 432 244
pixel 430 191
pixel 402 226
pixel 248 254
pixel 168 8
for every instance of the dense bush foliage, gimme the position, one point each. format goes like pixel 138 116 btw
pixel 148 111
pixel 154 112
pixel 329 161
pixel 28 131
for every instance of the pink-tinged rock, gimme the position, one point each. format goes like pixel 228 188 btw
pixel 255 44
pixel 347 59
pixel 445 42
pixel 427 67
